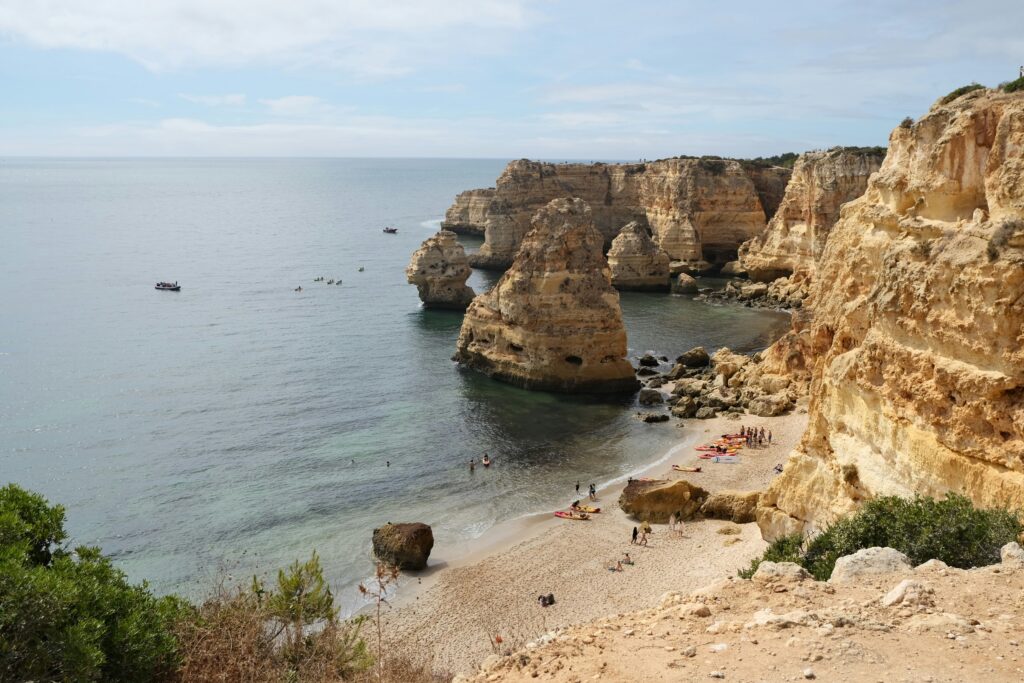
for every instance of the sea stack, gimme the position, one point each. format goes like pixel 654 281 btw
pixel 636 262
pixel 552 322
pixel 439 269
pixel 917 331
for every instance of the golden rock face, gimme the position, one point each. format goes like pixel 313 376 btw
pixel 917 334
pixel 636 262
pixel 796 235
pixel 439 269
pixel 697 209
pixel 553 320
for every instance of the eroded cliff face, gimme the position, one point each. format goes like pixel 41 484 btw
pixel 917 333
pixel 553 320
pixel 636 262
pixel 699 210
pixel 470 211
pixel 796 235
pixel 439 269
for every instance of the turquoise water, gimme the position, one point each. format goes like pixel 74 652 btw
pixel 237 424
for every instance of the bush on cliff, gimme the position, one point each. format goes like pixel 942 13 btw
pixel 1014 86
pixel 922 528
pixel 960 92
pixel 69 614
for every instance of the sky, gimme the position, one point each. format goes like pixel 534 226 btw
pixel 573 79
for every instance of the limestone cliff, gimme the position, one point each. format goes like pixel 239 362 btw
pixel 917 333
pixel 636 262
pixel 553 320
pixel 697 209
pixel 470 211
pixel 796 235
pixel 439 269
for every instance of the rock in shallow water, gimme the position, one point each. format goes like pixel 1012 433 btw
pixel 406 545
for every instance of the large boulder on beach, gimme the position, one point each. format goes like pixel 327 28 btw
pixel 735 506
pixel 656 501
pixel 406 546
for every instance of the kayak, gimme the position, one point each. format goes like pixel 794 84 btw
pixel 680 468
pixel 715 457
pixel 586 508
pixel 569 515
pixel 726 460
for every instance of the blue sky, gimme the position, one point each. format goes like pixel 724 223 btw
pixel 484 78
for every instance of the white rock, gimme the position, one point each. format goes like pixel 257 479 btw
pixel 1012 553
pixel 718 647
pixel 809 673
pixel 908 592
pixel 490 662
pixel 932 565
pixel 867 562
pixel 777 572
pixel 693 609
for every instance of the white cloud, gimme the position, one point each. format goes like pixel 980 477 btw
pixel 230 100
pixel 296 105
pixel 364 36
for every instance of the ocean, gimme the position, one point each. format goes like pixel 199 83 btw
pixel 237 425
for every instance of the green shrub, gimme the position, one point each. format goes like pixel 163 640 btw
pixel 1014 86
pixel 70 615
pixel 960 92
pixel 782 549
pixel 713 165
pixel 951 530
pixel 907 122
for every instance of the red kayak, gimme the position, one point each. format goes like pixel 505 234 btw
pixel 578 516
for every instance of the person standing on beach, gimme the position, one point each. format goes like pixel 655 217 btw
pixel 593 492
pixel 636 532
pixel 577 488
pixel 769 437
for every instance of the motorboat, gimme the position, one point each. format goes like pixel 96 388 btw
pixel 169 286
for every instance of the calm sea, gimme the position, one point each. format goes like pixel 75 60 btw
pixel 238 425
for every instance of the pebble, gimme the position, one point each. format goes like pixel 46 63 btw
pixel 717 674
pixel 809 673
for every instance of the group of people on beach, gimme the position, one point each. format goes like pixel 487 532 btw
pixel 592 494
pixel 756 436
pixel 640 534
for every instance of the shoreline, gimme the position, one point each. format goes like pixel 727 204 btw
pixel 437 612
pixel 509 533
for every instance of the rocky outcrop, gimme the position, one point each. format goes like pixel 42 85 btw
pixel 636 262
pixel 553 320
pixel 699 210
pixel 470 212
pixel 439 269
pixel 735 506
pixel 656 501
pixel 917 333
pixel 944 624
pixel 795 238
pixel 406 545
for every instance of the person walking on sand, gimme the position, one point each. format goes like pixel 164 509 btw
pixel 593 492
pixel 672 522
pixel 643 538
pixel 577 488
pixel 636 532
pixel 769 437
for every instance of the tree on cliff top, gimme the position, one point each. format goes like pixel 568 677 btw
pixel 69 614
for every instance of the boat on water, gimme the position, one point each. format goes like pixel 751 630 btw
pixel 390 230
pixel 169 286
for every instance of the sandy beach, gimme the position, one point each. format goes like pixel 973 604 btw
pixel 454 611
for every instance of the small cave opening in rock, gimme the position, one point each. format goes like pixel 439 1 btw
pixel 575 360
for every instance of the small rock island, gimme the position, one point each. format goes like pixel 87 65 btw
pixel 553 321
